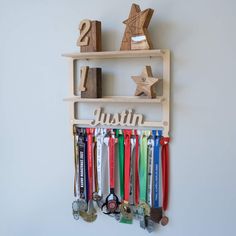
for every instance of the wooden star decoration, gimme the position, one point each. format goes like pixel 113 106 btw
pixel 136 35
pixel 145 83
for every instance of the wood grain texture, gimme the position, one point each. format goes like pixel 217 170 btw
pixel 136 36
pixel 117 54
pixel 95 38
pixel 145 83
pixel 93 84
pixel 83 78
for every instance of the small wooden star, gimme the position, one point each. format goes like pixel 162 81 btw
pixel 145 83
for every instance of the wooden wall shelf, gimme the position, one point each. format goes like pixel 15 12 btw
pixel 115 99
pixel 164 100
pixel 116 54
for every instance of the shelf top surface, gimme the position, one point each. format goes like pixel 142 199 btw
pixel 117 54
pixel 124 99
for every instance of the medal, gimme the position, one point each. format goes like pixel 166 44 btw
pixel 97 195
pixel 126 211
pixel 149 224
pixel 112 202
pixel 75 209
pixel 150 155
pixel 156 210
pixel 75 204
pixel 120 136
pixel 90 215
pixel 165 176
pixel 144 208
pixel 82 204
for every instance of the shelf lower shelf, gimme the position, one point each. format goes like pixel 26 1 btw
pixel 116 99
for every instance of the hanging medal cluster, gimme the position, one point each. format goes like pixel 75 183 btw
pixel 122 158
pixel 139 158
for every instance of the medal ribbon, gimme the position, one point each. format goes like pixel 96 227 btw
pixel 150 169
pixel 75 134
pixel 95 167
pixel 136 168
pixel 90 161
pixel 143 169
pixel 112 163
pixel 156 166
pixel 100 140
pixel 165 170
pixel 121 163
pixel 127 134
pixel 81 149
pixel 132 171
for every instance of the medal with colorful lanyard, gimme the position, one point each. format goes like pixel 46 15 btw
pixel 144 208
pixel 112 202
pixel 98 164
pixel 150 155
pixel 89 215
pixel 156 210
pixel 126 211
pixel 80 205
pixel 120 136
pixel 75 204
pixel 165 177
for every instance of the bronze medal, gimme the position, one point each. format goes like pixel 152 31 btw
pixel 164 220
pixel 156 214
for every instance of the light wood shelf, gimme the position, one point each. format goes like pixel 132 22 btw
pixel 116 54
pixel 115 99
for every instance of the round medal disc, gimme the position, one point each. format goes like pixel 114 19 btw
pixel 112 205
pixel 83 205
pixel 76 216
pixel 96 197
pixel 164 220
pixel 75 206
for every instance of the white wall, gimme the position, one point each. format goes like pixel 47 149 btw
pixel 36 169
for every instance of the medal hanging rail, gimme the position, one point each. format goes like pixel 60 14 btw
pixel 142 159
pixel 123 144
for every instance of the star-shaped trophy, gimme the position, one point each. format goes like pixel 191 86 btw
pixel 136 36
pixel 145 83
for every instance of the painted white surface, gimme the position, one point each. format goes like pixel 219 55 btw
pixel 36 169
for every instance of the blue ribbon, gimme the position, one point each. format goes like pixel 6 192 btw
pixel 156 167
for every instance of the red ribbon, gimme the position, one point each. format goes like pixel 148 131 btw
pixel 90 161
pixel 127 134
pixel 136 168
pixel 112 161
pixel 165 170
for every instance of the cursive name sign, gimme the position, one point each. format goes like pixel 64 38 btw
pixel 125 118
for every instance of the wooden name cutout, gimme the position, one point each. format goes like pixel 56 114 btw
pixel 125 118
pixel 136 36
pixel 90 36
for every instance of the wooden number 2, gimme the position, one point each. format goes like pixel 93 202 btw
pixel 84 27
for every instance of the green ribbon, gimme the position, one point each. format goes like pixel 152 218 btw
pixel 143 169
pixel 121 163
